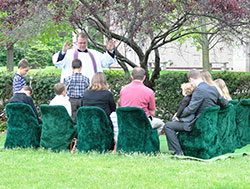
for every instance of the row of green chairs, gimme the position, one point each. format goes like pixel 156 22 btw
pixel 93 129
pixel 218 131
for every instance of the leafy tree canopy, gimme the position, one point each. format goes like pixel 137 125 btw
pixel 143 26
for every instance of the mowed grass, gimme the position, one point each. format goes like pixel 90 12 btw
pixel 47 70
pixel 28 168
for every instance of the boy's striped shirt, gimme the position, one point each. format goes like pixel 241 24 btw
pixel 18 83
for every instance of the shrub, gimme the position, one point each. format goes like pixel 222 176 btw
pixel 39 55
pixel 167 90
pixel 168 93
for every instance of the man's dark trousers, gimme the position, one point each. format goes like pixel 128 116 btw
pixel 170 130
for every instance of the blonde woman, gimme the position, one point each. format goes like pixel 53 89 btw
pixel 222 85
pixel 207 77
pixel 99 95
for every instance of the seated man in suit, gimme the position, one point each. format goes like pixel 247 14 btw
pixel 203 96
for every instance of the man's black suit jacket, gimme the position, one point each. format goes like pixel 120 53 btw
pixel 203 96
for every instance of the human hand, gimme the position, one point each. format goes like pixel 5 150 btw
pixel 111 45
pixel 66 46
pixel 174 116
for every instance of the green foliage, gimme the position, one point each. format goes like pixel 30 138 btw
pixel 6 89
pixel 167 90
pixel 168 93
pixel 238 83
pixel 38 52
pixel 116 80
pixel 39 55
pixel 18 54
pixel 43 87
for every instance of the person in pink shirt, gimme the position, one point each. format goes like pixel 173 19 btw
pixel 136 94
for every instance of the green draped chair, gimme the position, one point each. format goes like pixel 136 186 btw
pixel 94 130
pixel 135 133
pixel 23 128
pixel 243 121
pixel 227 129
pixel 58 129
pixel 202 141
pixel 234 101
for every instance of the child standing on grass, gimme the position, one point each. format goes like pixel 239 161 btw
pixel 19 80
pixel 76 85
pixel 187 90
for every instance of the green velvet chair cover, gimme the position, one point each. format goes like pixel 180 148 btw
pixel 58 129
pixel 23 127
pixel 135 133
pixel 226 126
pixel 243 121
pixel 234 101
pixel 94 130
pixel 203 140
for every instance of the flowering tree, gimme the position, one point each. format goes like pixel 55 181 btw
pixel 130 22
pixel 24 21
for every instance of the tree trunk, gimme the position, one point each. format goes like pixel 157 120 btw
pixel 248 57
pixel 205 46
pixel 10 58
pixel 205 53
pixel 157 69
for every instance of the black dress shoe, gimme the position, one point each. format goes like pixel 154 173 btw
pixel 180 154
pixel 177 153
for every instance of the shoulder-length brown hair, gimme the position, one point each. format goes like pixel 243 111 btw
pixel 98 82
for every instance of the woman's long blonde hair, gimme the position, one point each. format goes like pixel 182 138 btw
pixel 225 93
pixel 98 82
pixel 207 77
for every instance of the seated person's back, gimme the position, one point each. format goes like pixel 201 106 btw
pixel 61 98
pixel 99 95
pixel 23 96
pixel 136 94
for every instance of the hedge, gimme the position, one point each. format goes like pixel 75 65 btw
pixel 167 90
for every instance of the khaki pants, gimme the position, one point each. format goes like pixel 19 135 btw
pixel 157 124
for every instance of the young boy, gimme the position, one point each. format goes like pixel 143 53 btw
pixel 19 80
pixel 61 98
pixel 76 84
pixel 24 96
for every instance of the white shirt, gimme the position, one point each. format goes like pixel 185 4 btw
pixel 113 117
pixel 102 61
pixel 62 100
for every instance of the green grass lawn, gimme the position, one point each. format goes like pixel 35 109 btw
pixel 27 168
pixel 48 69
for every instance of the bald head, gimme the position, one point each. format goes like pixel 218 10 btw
pixel 138 73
